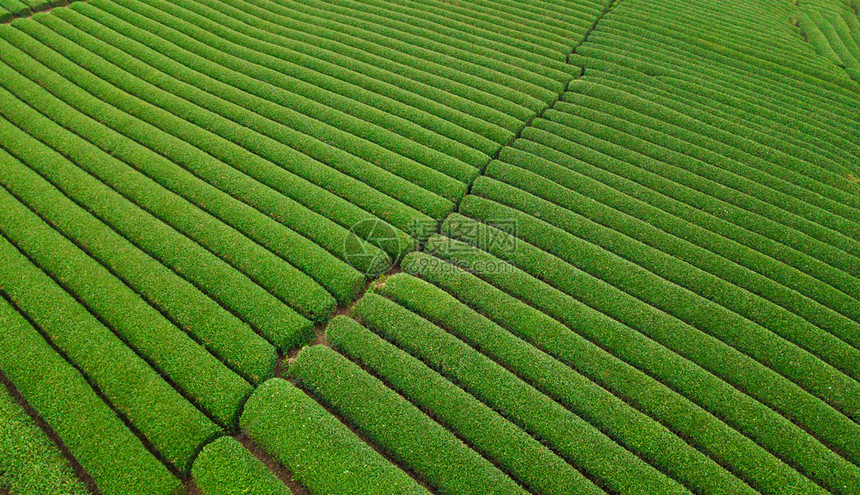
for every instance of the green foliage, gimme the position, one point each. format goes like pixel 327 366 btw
pixel 277 322
pixel 566 433
pixel 485 430
pixel 226 336
pixel 111 454
pixel 29 462
pixel 134 388
pixel 609 323
pixel 224 467
pixel 399 428
pixel 320 452
pixel 195 372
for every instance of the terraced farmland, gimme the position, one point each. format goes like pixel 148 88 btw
pixel 367 246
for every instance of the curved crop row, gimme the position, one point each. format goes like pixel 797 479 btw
pixel 277 322
pixel 662 256
pixel 339 278
pixel 694 326
pixel 515 451
pixel 31 462
pixel 318 450
pixel 227 337
pixel 269 271
pixel 572 151
pixel 765 276
pixel 588 345
pixel 188 366
pixel 396 426
pixel 116 460
pixel 553 288
pixel 604 461
pixel 556 379
pixel 132 385
pixel 224 467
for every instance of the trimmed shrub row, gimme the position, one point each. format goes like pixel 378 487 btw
pixel 322 453
pixel 262 152
pixel 224 467
pixel 518 454
pixel 839 248
pixel 277 322
pixel 188 366
pixel 667 258
pixel 681 201
pixel 605 462
pixel 111 454
pixel 264 267
pixel 486 100
pixel 418 187
pixel 168 422
pixel 800 186
pixel 436 137
pixel 340 279
pixel 399 428
pixel 596 346
pixel 636 432
pixel 695 375
pixel 225 335
pixel 257 193
pixel 606 281
pixel 31 462
pixel 760 274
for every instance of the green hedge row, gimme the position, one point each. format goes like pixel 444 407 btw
pixel 227 337
pixel 599 57
pixel 612 416
pixel 835 247
pixel 756 133
pixel 320 452
pixel 760 274
pixel 771 119
pixel 189 367
pixel 277 322
pixel 769 428
pixel 396 426
pixel 596 346
pixel 667 257
pixel 441 64
pixel 765 92
pixel 572 152
pixel 486 100
pixel 271 272
pixel 698 195
pixel 806 383
pixel 336 276
pixel 518 454
pixel 312 136
pixel 225 467
pixel 32 464
pixel 808 189
pixel 174 427
pixel 436 151
pixel 397 35
pixel 605 462
pixel 347 182
pixel 409 183
pixel 525 62
pixel 257 193
pixel 465 138
pixel 111 454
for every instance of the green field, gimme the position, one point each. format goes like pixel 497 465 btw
pixel 425 246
